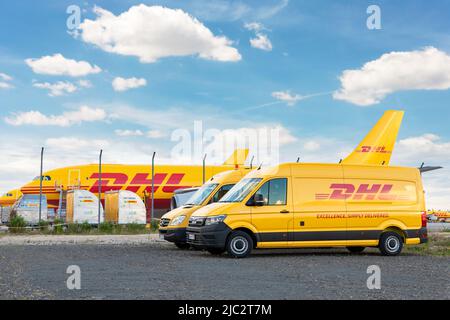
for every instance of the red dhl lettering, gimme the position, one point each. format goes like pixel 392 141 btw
pixel 345 191
pixel 375 149
pixel 119 181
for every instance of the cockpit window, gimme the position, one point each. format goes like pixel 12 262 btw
pixel 44 178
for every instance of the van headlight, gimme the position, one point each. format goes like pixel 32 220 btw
pixel 215 219
pixel 177 220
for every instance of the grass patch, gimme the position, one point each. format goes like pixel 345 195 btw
pixel 132 228
pixel 437 245
pixel 78 228
pixel 58 227
pixel 106 228
pixel 17 225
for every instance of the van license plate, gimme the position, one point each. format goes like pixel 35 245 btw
pixel 161 236
pixel 191 236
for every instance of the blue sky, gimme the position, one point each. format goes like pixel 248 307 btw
pixel 312 44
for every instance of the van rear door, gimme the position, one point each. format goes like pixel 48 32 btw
pixel 380 197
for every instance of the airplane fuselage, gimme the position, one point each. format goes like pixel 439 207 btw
pixel 135 178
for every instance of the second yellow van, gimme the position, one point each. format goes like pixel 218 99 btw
pixel 173 224
pixel 315 205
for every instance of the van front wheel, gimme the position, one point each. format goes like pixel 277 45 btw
pixel 239 244
pixel 391 244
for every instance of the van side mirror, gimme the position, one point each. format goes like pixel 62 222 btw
pixel 258 200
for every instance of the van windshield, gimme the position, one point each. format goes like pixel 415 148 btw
pixel 241 190
pixel 201 194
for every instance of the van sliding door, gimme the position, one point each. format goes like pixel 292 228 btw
pixel 319 207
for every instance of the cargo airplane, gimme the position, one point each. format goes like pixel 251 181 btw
pixel 10 197
pixel 135 178
pixel 375 148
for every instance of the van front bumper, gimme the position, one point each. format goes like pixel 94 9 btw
pixel 212 236
pixel 177 235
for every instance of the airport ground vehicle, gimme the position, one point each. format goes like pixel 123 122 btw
pixel 173 224
pixel 315 205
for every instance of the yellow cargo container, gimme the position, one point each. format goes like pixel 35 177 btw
pixel 123 207
pixel 82 206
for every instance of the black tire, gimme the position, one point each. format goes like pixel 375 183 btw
pixel 356 249
pixel 215 251
pixel 239 244
pixel 182 245
pixel 391 243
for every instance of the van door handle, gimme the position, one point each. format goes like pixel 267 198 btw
pixel 284 211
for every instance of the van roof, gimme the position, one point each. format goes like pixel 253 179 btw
pixel 230 176
pixel 323 169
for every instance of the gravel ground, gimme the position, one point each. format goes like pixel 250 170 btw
pixel 46 240
pixel 160 271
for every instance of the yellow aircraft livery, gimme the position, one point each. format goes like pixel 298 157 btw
pixel 135 178
pixel 10 197
pixel 376 148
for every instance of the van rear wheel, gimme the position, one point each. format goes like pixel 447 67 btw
pixel 356 249
pixel 391 243
pixel 239 244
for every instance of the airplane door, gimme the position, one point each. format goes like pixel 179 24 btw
pixel 74 179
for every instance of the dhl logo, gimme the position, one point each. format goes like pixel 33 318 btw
pixel 119 181
pixel 371 149
pixel 343 191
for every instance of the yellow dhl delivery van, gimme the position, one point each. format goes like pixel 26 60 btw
pixel 173 224
pixel 315 205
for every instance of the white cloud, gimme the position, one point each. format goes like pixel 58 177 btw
pixel 254 26
pixel 66 119
pixel 5 85
pixel 226 10
pixel 427 69
pixel 434 151
pixel 76 144
pixel 154 32
pixel 56 89
pixel 286 96
pixel 311 145
pixel 85 84
pixel 122 84
pixel 261 42
pixel 5 77
pixel 58 65
pixel 128 133
pixel 155 134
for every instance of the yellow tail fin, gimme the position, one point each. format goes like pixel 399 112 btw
pixel 376 148
pixel 237 158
